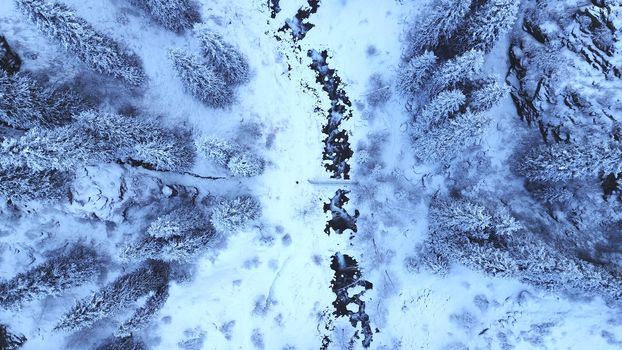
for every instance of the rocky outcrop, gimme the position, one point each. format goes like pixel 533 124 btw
pixel 9 60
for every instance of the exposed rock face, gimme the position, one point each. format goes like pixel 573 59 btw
pixel 9 60
pixel 557 64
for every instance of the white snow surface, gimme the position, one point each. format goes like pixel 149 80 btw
pixel 267 286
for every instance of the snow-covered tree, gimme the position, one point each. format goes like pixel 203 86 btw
pixel 225 60
pixel 240 161
pixel 114 297
pixel 124 343
pixel 80 265
pixel 180 248
pixel 459 69
pixel 438 110
pixel 178 222
pixel 176 15
pixel 143 315
pixel 25 104
pixel 451 139
pixel 200 79
pixel 415 73
pixel 437 25
pixel 246 164
pixel 96 138
pixel 569 161
pixel 486 95
pixel 9 340
pixel 486 24
pixel 232 215
pixel 20 184
pixel 98 51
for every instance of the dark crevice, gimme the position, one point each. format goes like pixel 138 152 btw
pixel 341 220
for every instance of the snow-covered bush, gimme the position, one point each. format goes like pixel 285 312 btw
pixel 24 104
pixel 232 215
pixel 226 61
pixel 114 297
pixel 98 51
pixel 143 315
pixel 19 184
pixel 176 15
pixel 200 79
pixel 80 265
pixel 217 149
pixel 9 340
pixel 378 90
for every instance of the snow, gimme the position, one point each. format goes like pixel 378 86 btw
pixel 272 281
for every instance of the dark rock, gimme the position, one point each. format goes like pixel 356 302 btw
pixel 9 60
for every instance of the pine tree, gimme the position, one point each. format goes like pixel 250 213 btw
pixel 96 138
pixel 570 161
pixel 125 343
pixel 143 316
pixel 230 216
pixel 451 139
pixel 96 50
pixel 200 79
pixel 9 340
pixel 176 15
pixel 20 184
pixel 437 25
pixel 80 265
pixel 116 296
pixel 437 111
pixel 241 162
pixel 25 104
pixel 415 73
pixel 217 149
pixel 225 60
pixel 457 70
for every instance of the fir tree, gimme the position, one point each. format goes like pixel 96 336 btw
pixel 80 265
pixel 241 162
pixel 178 222
pixel 176 15
pixel 225 60
pixel 96 138
pixel 143 316
pixel 415 73
pixel 20 184
pixel 200 79
pixel 486 24
pixel 184 247
pixel 116 296
pixel 457 70
pixel 124 343
pixel 437 25
pixel 24 104
pixel 570 161
pixel 486 95
pixel 443 106
pixel 9 340
pixel 230 216
pixel 245 164
pixel 450 140
pixel 217 149
pixel 96 50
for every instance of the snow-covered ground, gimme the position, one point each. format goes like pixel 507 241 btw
pixel 269 287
